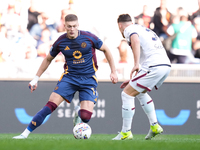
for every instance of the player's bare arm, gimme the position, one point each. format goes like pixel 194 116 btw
pixel 135 45
pixel 107 53
pixel 45 63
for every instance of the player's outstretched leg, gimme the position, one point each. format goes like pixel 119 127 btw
pixel 76 119
pixel 153 131
pixel 37 120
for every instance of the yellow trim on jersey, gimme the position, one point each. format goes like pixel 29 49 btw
pixel 95 78
pixel 66 72
pixel 95 69
pixel 63 75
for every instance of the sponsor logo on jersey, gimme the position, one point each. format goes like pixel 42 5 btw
pixel 67 48
pixel 79 61
pixel 77 54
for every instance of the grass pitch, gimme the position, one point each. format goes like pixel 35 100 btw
pixel 99 142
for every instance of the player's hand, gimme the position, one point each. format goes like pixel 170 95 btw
pixel 114 78
pixel 33 84
pixel 124 84
pixel 32 87
pixel 134 70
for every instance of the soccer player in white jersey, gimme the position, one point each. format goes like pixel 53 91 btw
pixel 151 68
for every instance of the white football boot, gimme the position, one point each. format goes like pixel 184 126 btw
pixel 19 137
pixel 153 131
pixel 124 136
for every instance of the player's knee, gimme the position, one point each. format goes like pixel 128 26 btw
pixel 85 115
pixel 127 99
pixel 145 99
pixel 141 96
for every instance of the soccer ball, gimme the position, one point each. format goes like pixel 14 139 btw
pixel 82 131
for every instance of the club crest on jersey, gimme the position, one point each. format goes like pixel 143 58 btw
pixel 83 45
pixel 77 54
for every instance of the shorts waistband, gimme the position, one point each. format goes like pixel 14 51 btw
pixel 160 65
pixel 78 76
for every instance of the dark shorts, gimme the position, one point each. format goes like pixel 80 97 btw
pixel 68 85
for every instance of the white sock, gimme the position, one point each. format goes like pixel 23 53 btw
pixel 77 108
pixel 128 111
pixel 148 106
pixel 26 133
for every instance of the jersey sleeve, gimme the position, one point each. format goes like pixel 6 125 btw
pixel 55 47
pixel 97 42
pixel 128 32
pixel 54 50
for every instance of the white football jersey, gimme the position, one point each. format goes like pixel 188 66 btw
pixel 152 51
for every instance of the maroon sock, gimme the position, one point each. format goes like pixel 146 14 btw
pixel 51 105
pixel 85 115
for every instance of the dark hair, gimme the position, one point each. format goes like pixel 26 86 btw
pixel 124 18
pixel 71 17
